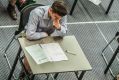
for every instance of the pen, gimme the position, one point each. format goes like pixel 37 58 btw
pixel 70 52
pixel 40 45
pixel 42 59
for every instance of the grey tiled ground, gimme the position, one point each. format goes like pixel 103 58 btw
pixel 88 35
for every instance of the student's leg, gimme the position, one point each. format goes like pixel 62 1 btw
pixel 11 9
pixel 26 64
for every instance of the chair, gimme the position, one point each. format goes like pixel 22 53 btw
pixel 21 6
pixel 116 35
pixel 114 55
pixel 24 16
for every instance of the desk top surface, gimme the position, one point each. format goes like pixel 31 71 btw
pixel 76 62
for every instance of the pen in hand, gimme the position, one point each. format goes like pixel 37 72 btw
pixel 70 52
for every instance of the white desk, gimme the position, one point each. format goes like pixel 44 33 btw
pixel 76 62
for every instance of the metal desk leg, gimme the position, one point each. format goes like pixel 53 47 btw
pixel 24 68
pixel 14 64
pixel 55 76
pixel 110 4
pixel 72 9
pixel 81 75
pixel 47 74
pixel 32 78
pixel 111 61
pixel 76 73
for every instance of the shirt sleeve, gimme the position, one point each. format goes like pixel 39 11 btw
pixel 31 27
pixel 63 29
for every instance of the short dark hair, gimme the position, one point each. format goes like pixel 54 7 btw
pixel 59 7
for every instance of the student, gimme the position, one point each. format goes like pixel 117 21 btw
pixel 46 21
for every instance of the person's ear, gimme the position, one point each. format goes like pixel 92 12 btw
pixel 50 9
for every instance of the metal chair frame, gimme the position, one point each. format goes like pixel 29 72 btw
pixel 113 57
pixel 20 29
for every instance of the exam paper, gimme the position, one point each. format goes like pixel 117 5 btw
pixel 42 53
pixel 37 53
pixel 96 2
pixel 54 52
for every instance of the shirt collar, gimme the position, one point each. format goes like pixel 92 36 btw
pixel 45 16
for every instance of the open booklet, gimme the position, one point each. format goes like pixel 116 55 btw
pixel 42 53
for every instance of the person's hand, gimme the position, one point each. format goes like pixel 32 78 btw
pixel 56 19
pixel 50 31
pixel 56 24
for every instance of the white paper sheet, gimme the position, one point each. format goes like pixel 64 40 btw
pixel 37 53
pixel 96 2
pixel 42 53
pixel 54 52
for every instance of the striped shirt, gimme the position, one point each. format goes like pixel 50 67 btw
pixel 39 24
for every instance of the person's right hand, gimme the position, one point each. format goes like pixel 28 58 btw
pixel 56 24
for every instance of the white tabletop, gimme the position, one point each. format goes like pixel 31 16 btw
pixel 76 62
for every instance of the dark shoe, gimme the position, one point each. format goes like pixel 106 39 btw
pixel 22 75
pixel 12 12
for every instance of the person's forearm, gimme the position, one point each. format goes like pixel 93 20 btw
pixel 61 32
pixel 37 35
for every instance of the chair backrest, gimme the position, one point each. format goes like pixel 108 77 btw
pixel 24 16
pixel 20 5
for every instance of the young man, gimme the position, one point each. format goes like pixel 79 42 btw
pixel 46 21
pixel 11 9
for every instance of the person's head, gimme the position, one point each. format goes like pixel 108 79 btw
pixel 58 9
